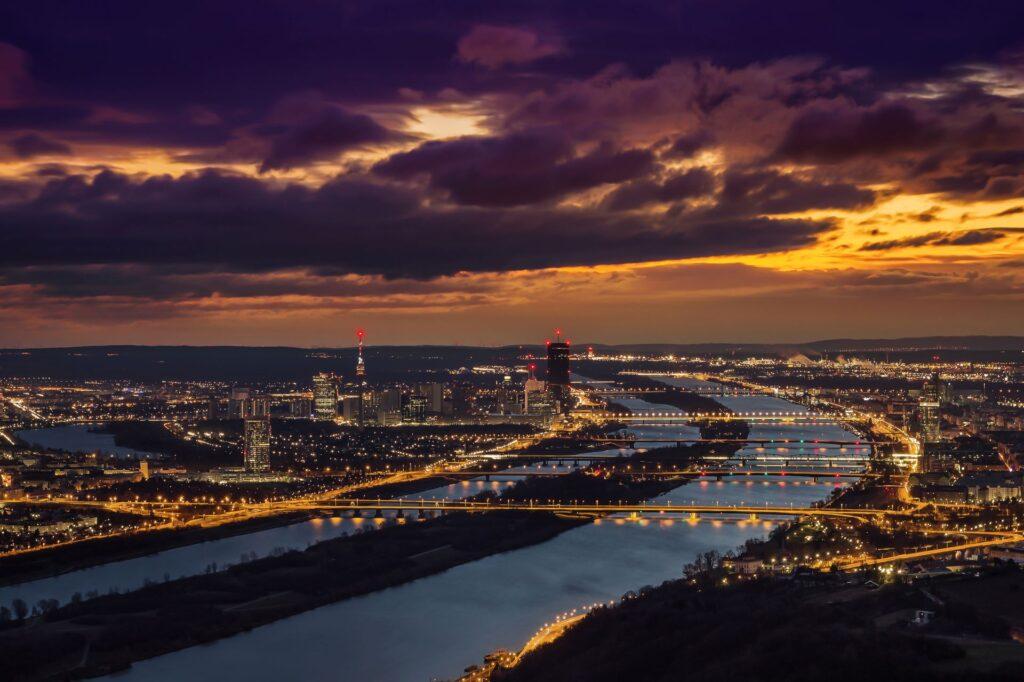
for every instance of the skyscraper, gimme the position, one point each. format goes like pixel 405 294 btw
pixel 256 450
pixel 535 397
pixel 558 369
pixel 325 396
pixel 934 457
pixel 931 412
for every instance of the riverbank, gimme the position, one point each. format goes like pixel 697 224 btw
pixel 48 563
pixel 774 629
pixel 109 633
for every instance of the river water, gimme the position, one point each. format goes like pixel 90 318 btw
pixel 78 438
pixel 433 627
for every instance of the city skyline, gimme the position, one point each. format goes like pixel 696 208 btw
pixel 443 175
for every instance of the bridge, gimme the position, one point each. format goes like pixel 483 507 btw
pixel 631 441
pixel 670 418
pixel 669 473
pixel 624 392
pixel 829 460
pixel 753 512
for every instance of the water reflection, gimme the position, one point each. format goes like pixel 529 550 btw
pixel 435 626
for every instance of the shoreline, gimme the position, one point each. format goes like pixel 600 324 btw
pixel 54 562
pixel 124 628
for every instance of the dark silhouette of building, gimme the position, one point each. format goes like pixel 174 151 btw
pixel 558 370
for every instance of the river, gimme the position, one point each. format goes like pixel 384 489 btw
pixel 79 438
pixel 433 627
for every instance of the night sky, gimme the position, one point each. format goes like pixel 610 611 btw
pixel 280 173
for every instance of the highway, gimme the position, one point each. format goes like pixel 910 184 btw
pixel 985 539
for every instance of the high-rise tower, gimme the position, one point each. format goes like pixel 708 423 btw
pixel 361 376
pixel 930 406
pixel 558 369
pixel 325 396
pixel 934 456
pixel 256 451
pixel 360 365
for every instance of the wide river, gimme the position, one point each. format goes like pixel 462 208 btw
pixel 79 438
pixel 433 627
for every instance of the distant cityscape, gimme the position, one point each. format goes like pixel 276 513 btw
pixel 909 446
pixel 404 341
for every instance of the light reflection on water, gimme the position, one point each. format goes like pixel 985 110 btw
pixel 435 626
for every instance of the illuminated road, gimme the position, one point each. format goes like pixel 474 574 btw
pixel 22 407
pixel 986 539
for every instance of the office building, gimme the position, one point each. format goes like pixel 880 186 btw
pixel 350 408
pixel 415 409
pixel 325 396
pixel 558 371
pixel 237 403
pixel 256 448
pixel 300 408
pixel 930 407
pixel 434 393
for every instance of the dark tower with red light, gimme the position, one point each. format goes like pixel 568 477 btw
pixel 361 374
pixel 558 369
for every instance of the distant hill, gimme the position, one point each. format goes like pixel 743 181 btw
pixel 390 363
pixel 969 343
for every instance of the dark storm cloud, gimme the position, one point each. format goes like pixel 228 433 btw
pixel 31 145
pixel 346 226
pixel 967 238
pixel 695 182
pixel 236 59
pixel 238 53
pixel 984 174
pixel 836 135
pixel 496 46
pixel 688 145
pixel 769 192
pixel 323 136
pixel 177 283
pixel 521 168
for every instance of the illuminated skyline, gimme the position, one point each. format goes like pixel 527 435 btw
pixel 676 172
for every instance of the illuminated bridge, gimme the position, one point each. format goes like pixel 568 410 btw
pixel 823 457
pixel 683 473
pixel 669 418
pixel 631 441
pixel 586 508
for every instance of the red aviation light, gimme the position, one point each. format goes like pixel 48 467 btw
pixel 567 342
pixel 547 342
